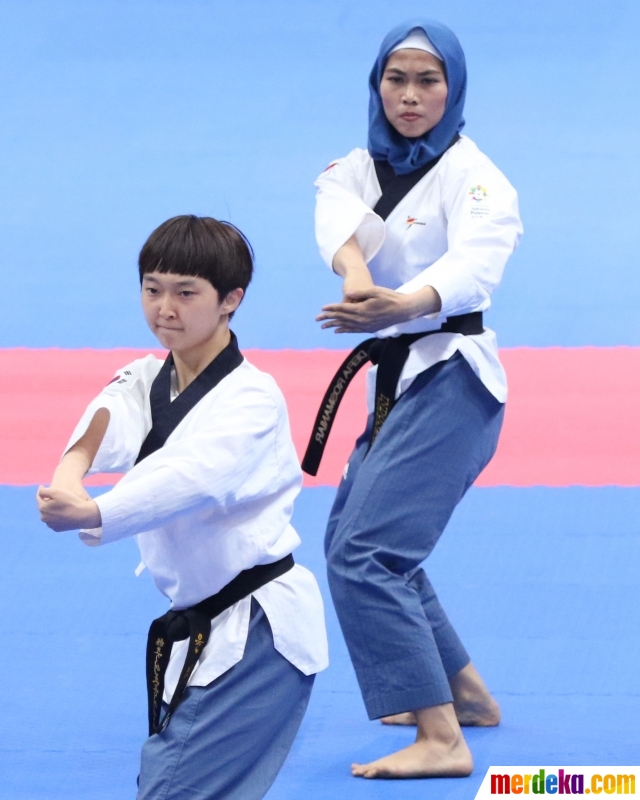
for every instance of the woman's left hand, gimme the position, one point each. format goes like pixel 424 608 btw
pixel 367 311
pixel 62 510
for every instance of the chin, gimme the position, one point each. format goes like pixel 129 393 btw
pixel 413 133
pixel 168 341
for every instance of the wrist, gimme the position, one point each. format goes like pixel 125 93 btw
pixel 357 282
pixel 92 518
pixel 355 272
pixel 70 483
pixel 348 260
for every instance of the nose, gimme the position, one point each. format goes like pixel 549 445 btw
pixel 165 306
pixel 409 95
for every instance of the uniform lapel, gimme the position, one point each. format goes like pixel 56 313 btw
pixel 167 415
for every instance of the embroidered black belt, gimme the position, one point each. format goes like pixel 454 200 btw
pixel 390 355
pixel 195 624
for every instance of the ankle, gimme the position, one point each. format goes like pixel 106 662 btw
pixel 438 724
pixel 468 685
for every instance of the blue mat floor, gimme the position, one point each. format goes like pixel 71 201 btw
pixel 541 584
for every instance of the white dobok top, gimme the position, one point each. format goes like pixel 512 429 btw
pixel 453 231
pixel 216 499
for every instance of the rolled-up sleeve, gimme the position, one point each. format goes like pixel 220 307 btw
pixel 124 399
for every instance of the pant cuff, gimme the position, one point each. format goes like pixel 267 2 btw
pixel 454 662
pixel 410 700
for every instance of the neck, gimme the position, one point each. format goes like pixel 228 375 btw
pixel 190 363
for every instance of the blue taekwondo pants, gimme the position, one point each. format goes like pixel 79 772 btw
pixel 228 740
pixel 388 514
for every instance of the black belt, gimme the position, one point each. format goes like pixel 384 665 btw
pixel 195 624
pixel 390 355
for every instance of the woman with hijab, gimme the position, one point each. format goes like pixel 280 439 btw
pixel 419 227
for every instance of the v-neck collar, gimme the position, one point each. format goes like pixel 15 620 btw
pixel 166 414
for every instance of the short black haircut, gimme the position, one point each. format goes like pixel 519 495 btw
pixel 200 246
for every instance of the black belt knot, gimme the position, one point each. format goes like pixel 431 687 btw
pixel 195 624
pixel 390 355
pixel 376 349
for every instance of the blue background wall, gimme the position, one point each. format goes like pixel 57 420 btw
pixel 117 115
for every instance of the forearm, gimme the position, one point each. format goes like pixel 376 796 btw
pixel 422 303
pixel 200 472
pixel 65 505
pixel 349 263
pixel 71 470
pixel 76 462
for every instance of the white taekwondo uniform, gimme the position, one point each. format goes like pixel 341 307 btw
pixel 453 231
pixel 216 499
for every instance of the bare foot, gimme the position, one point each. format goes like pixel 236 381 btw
pixel 472 701
pixel 439 751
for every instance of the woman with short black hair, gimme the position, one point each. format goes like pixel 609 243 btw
pixel 211 476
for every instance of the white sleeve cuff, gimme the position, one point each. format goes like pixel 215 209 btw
pixel 340 215
pixel 457 290
pixel 92 537
pixel 113 516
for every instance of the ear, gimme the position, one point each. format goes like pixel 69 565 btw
pixel 232 301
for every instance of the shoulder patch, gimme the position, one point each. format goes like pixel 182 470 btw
pixel 479 196
pixel 119 378
pixel 478 193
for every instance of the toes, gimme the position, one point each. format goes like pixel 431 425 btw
pixel 372 773
pixel 364 771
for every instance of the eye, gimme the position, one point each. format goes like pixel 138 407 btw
pixel 186 293
pixel 394 79
pixel 151 291
pixel 433 77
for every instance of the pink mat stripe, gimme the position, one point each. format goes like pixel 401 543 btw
pixel 573 415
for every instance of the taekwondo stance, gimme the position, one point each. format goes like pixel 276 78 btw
pixel 211 476
pixel 420 227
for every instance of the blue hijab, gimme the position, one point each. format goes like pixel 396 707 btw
pixel 385 143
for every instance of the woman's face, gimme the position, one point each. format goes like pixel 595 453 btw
pixel 413 91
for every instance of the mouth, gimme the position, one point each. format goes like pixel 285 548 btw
pixel 409 116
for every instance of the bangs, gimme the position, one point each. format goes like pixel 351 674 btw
pixel 200 247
